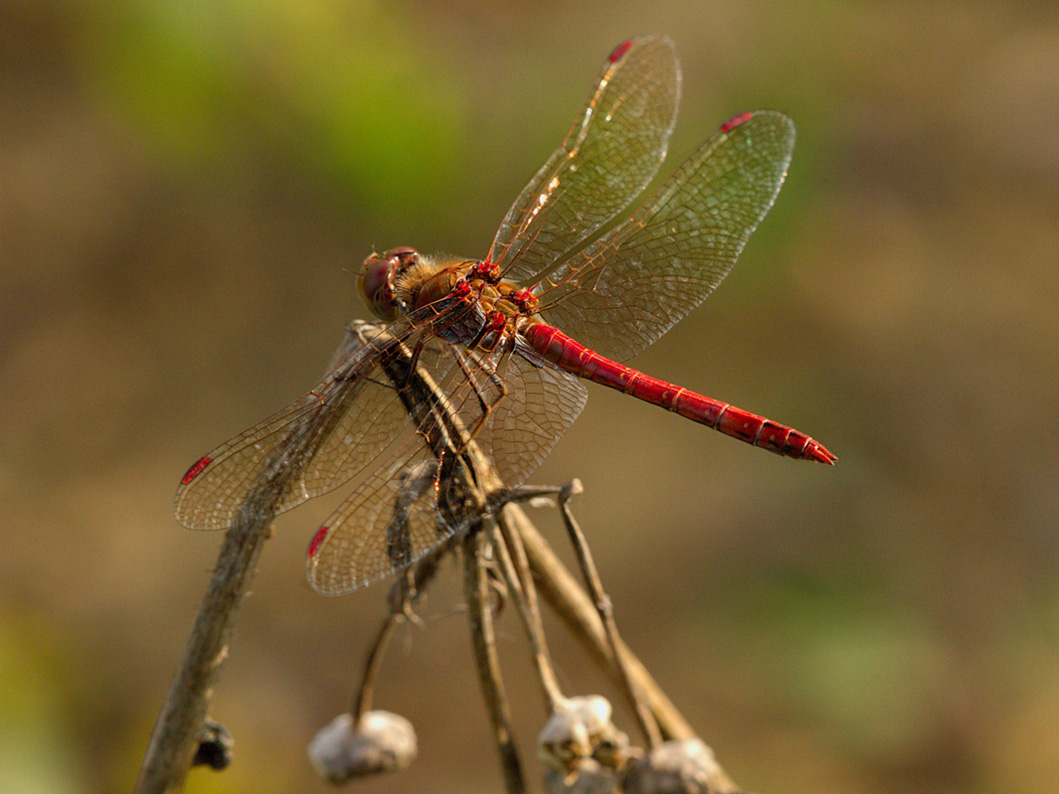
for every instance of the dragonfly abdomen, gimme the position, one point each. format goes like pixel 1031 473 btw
pixel 573 357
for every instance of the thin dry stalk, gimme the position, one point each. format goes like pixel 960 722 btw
pixel 605 609
pixel 181 721
pixel 403 594
pixel 483 638
pixel 520 583
pixel 175 738
pixel 362 701
pixel 176 733
pixel 561 590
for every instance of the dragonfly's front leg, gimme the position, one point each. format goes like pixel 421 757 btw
pixel 473 374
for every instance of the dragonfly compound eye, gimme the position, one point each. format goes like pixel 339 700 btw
pixel 404 256
pixel 378 280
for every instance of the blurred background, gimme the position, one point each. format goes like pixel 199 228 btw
pixel 186 192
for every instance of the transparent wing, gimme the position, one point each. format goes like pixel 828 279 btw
pixel 391 520
pixel 538 405
pixel 417 498
pixel 610 154
pixel 395 416
pixel 310 447
pixel 629 287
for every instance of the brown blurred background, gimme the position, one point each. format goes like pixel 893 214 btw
pixel 186 190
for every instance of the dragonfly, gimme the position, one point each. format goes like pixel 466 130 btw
pixel 491 354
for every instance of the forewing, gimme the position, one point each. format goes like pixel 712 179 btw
pixel 310 447
pixel 610 154
pixel 629 287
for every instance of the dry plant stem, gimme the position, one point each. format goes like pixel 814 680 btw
pixel 176 733
pixel 512 559
pixel 362 702
pixel 443 431
pixel 565 595
pixel 476 590
pixel 606 614
pixel 527 493
pixel 404 591
pixel 175 737
pixel 561 590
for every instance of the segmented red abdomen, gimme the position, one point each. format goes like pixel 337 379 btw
pixel 575 358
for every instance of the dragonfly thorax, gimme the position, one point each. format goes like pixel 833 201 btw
pixel 403 280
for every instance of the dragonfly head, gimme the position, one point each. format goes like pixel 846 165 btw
pixel 378 280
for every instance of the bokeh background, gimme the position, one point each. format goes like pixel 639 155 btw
pixel 186 190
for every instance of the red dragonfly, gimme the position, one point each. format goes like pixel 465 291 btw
pixel 486 333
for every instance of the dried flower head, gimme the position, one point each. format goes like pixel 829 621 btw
pixel 591 777
pixel 612 749
pixel 686 767
pixel 380 742
pixel 574 731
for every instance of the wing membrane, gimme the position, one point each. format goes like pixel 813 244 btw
pixel 417 498
pixel 629 287
pixel 613 150
pixel 315 444
pixel 410 428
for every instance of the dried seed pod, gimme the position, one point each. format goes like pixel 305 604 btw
pixel 591 777
pixel 686 767
pixel 574 730
pixel 613 750
pixel 380 742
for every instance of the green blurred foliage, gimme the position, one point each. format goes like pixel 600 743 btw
pixel 38 748
pixel 330 85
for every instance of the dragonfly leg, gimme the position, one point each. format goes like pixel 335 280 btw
pixel 484 404
pixel 494 325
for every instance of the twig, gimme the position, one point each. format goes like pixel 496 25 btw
pixel 520 583
pixel 565 595
pixel 402 594
pixel 606 614
pixel 175 737
pixel 476 588
pixel 444 432
pixel 173 742
pixel 180 723
pixel 362 700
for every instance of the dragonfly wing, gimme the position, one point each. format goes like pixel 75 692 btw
pixel 629 287
pixel 391 520
pixel 613 150
pixel 408 427
pixel 510 401
pixel 539 405
pixel 515 406
pixel 310 447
